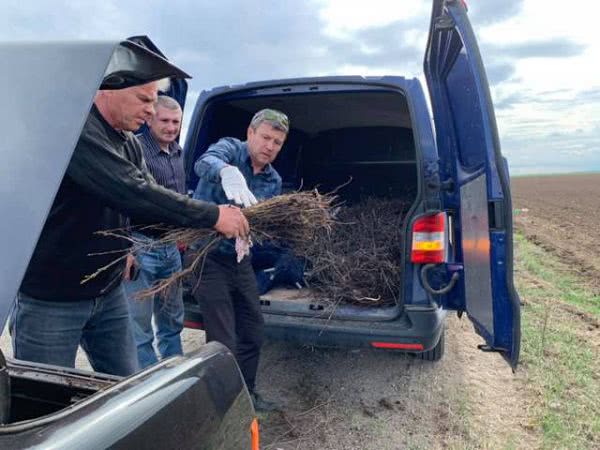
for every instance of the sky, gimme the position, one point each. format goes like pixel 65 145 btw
pixel 541 59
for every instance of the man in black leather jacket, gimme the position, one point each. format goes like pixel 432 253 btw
pixel 106 181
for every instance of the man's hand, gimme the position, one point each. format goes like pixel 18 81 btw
pixel 130 264
pixel 235 187
pixel 231 222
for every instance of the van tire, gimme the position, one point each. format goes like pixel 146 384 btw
pixel 436 353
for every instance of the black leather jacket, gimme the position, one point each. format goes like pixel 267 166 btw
pixel 107 181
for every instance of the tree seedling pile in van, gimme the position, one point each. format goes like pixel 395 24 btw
pixel 359 261
pixel 352 253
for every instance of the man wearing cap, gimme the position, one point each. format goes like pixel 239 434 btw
pixel 106 181
pixel 241 173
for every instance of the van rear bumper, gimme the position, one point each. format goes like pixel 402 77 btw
pixel 418 329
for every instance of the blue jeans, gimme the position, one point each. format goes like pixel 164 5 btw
pixel 49 332
pixel 167 308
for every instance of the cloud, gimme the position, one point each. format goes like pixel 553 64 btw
pixel 499 72
pixel 487 12
pixel 232 42
pixel 561 101
pixel 63 20
pixel 228 41
pixel 550 48
pixel 383 47
pixel 503 58
pixel 508 101
pixel 547 146
pixel 591 95
pixel 270 40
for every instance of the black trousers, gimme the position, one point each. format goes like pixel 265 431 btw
pixel 228 296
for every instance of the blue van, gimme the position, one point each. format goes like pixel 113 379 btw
pixel 457 237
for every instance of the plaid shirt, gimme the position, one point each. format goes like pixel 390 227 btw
pixel 167 168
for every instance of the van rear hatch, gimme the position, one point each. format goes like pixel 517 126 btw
pixel 351 131
pixel 476 173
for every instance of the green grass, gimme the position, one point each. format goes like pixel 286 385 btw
pixel 570 288
pixel 563 366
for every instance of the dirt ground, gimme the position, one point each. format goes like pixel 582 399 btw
pixel 369 399
pixel 561 213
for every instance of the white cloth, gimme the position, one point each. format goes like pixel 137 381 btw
pixel 242 248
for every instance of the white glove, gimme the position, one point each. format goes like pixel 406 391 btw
pixel 235 187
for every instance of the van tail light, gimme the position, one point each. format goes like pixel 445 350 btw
pixel 193 324
pixel 430 239
pixel 254 435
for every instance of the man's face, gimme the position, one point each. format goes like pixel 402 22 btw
pixel 165 125
pixel 133 106
pixel 264 144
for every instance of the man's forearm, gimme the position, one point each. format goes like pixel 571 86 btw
pixel 209 167
pixel 130 190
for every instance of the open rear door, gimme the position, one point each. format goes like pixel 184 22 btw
pixel 475 177
pixel 178 86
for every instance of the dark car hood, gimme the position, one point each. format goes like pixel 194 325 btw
pixel 48 90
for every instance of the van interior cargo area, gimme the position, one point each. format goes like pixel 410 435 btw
pixel 357 141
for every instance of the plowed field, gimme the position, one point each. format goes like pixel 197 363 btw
pixel 561 213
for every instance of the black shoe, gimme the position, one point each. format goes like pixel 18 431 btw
pixel 262 405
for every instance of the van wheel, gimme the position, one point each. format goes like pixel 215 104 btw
pixel 436 353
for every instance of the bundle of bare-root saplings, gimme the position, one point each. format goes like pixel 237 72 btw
pixel 352 253
pixel 359 261
pixel 295 219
